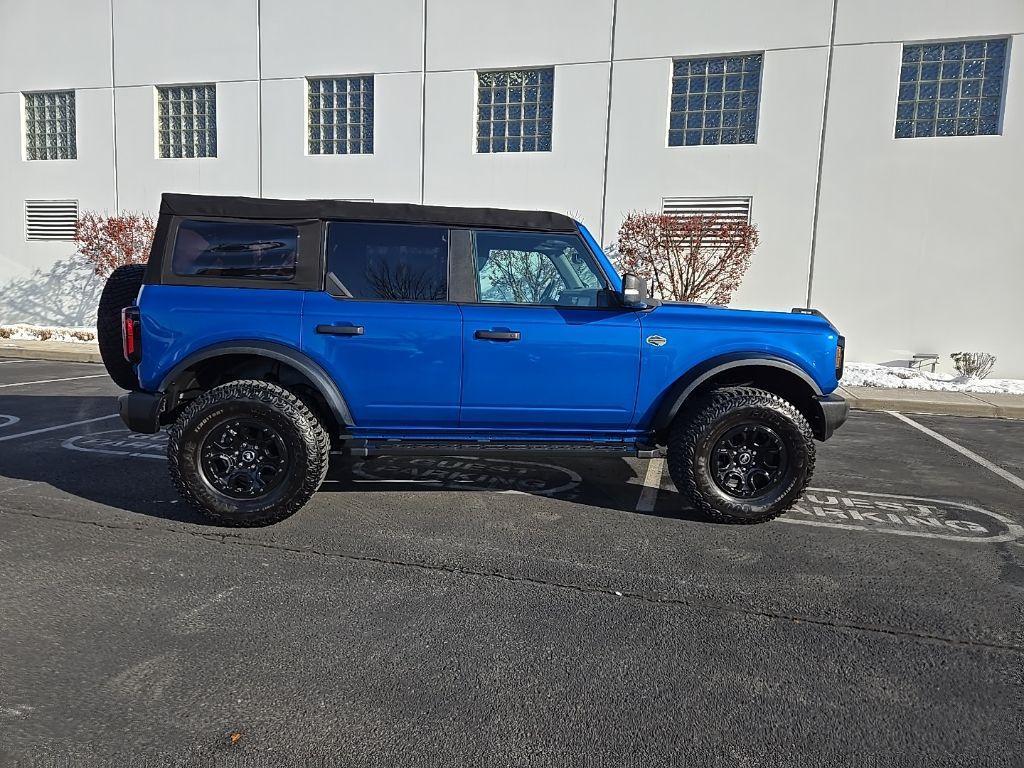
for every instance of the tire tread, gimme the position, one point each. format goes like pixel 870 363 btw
pixel 293 408
pixel 699 418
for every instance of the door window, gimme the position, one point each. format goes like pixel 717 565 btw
pixel 390 262
pixel 534 268
pixel 234 249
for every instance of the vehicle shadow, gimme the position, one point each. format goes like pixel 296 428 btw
pixel 103 463
pixel 608 483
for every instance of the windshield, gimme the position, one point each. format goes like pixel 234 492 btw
pixel 599 254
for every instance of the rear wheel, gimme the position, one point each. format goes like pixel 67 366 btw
pixel 741 455
pixel 248 453
pixel 120 291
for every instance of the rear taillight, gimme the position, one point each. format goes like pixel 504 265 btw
pixel 840 355
pixel 131 334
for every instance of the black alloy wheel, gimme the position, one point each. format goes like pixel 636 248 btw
pixel 244 458
pixel 749 461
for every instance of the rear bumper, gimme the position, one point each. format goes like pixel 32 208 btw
pixel 834 411
pixel 140 411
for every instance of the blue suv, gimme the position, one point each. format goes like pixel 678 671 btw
pixel 270 333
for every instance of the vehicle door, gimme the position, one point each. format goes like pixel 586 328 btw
pixel 383 326
pixel 545 346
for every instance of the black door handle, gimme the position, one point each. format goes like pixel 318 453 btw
pixel 340 330
pixel 497 335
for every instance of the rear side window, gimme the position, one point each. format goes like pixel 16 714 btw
pixel 235 249
pixel 390 262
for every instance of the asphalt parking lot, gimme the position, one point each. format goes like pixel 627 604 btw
pixel 461 612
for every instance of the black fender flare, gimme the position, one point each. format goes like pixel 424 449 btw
pixel 673 399
pixel 280 352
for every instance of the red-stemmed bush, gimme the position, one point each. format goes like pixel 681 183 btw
pixel 109 242
pixel 687 258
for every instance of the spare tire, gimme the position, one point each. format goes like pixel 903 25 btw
pixel 121 290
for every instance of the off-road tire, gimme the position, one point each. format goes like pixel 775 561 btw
pixel 697 430
pixel 307 441
pixel 120 291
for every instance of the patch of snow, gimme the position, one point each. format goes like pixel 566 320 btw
pixel 892 377
pixel 26 332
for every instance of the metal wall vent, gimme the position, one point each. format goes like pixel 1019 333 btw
pixel 729 208
pixel 50 219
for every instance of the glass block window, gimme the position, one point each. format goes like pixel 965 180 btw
pixel 951 89
pixel 514 110
pixel 50 126
pixel 187 120
pixel 341 115
pixel 714 101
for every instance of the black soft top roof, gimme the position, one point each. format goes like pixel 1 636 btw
pixel 407 213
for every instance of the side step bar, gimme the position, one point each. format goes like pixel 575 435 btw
pixel 362 448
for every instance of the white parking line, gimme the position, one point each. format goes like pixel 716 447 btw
pixel 1008 476
pixel 53 381
pixel 652 484
pixel 5 362
pixel 55 428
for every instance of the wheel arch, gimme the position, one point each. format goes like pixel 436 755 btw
pixel 234 356
pixel 769 372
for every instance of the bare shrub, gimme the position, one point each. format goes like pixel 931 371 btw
pixel 83 335
pixel 109 242
pixel 5 332
pixel 45 334
pixel 687 258
pixel 975 365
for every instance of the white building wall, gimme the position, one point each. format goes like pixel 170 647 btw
pixel 566 179
pixel 51 44
pixel 185 41
pixel 72 54
pixel 917 240
pixel 779 171
pixel 142 176
pixel 661 28
pixel 390 174
pixel 464 36
pixel 319 38
pixel 469 34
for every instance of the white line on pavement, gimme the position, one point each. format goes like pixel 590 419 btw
pixel 5 362
pixel 55 428
pixel 53 381
pixel 652 484
pixel 1008 476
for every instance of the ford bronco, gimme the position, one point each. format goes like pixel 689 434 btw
pixel 268 334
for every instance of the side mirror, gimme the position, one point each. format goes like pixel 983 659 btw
pixel 634 291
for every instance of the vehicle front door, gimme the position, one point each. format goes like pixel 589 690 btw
pixel 545 348
pixel 383 326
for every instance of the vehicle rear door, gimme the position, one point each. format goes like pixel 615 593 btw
pixel 383 326
pixel 545 348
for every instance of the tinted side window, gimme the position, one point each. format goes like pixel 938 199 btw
pixel 235 249
pixel 532 268
pixel 393 262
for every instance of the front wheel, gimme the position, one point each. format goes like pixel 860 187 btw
pixel 741 455
pixel 247 453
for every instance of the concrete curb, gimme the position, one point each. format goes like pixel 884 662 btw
pixel 50 350
pixel 935 403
